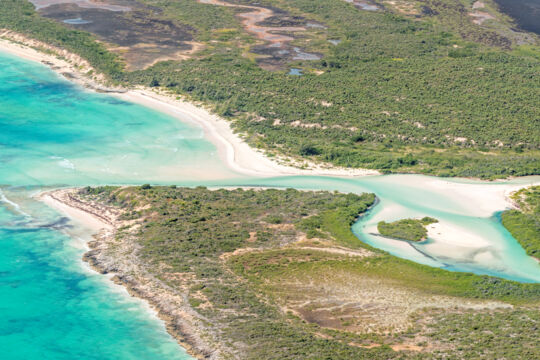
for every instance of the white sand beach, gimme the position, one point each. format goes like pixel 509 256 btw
pixel 233 150
pixel 477 197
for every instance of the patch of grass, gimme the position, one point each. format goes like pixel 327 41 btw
pixel 489 335
pixel 406 229
pixel 390 270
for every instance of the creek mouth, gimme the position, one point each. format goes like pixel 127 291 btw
pixel 100 145
pixel 60 134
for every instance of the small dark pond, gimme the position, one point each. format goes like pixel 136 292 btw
pixel 525 12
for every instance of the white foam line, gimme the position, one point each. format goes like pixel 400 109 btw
pixel 16 206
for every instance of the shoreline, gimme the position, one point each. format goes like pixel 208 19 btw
pixel 232 149
pixel 236 153
pixel 104 222
pixel 107 256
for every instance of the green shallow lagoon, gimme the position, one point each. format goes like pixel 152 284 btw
pixel 53 133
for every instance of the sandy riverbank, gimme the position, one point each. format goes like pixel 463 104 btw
pixel 457 195
pixel 233 150
pixel 118 259
pixel 451 235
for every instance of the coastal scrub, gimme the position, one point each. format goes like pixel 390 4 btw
pixel 406 229
pixel 278 274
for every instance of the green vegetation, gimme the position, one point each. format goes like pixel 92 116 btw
pixel 406 229
pixel 482 332
pixel 298 249
pixel 384 114
pixel 524 224
pixel 387 268
pixel 206 19
pixel 430 93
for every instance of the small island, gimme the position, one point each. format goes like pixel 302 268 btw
pixel 406 229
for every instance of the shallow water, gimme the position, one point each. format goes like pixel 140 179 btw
pixel 405 196
pixel 53 307
pixel 88 4
pixel 53 133
pixel 296 72
pixel 77 21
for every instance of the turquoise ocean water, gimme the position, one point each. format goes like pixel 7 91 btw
pixel 53 133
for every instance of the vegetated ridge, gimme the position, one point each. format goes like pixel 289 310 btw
pixel 278 274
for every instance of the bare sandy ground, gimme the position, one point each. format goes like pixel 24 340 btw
pixel 233 150
pixel 479 198
pixel 450 234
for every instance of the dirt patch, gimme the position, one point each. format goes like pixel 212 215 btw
pixel 479 17
pixel 345 301
pixel 237 252
pixel 252 236
pixel 406 347
pixel 276 29
pixel 403 7
pixel 479 5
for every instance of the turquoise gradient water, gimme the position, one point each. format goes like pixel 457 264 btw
pixel 53 307
pixel 53 133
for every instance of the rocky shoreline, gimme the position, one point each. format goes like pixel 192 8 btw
pixel 109 254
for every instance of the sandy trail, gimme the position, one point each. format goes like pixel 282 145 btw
pixel 255 16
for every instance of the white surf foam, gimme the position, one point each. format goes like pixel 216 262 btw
pixel 12 204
